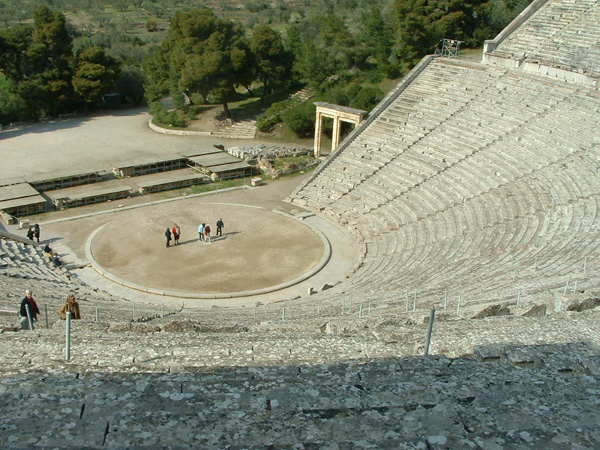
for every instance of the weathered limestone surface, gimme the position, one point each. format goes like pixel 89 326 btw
pixel 514 382
pixel 411 403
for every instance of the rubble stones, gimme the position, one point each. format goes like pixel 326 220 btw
pixel 536 311
pixel 492 310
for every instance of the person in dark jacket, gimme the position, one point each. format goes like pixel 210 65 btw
pixel 168 236
pixel 220 226
pixel 36 232
pixel 28 301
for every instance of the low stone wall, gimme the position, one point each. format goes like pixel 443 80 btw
pixel 162 130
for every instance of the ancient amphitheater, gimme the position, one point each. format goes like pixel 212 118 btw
pixel 473 188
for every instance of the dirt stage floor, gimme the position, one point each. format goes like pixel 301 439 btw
pixel 258 249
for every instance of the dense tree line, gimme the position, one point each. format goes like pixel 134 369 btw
pixel 340 48
pixel 40 74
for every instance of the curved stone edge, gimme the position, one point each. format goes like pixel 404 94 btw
pixel 162 130
pixel 211 296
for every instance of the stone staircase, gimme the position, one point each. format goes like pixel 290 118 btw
pixel 243 129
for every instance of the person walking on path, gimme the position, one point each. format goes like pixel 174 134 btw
pixel 28 301
pixel 176 234
pixel 30 234
pixel 220 226
pixel 207 234
pixel 36 231
pixel 71 306
pixel 168 236
pixel 201 232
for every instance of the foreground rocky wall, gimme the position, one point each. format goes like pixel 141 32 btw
pixel 547 397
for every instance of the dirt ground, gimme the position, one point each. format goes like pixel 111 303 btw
pixel 258 249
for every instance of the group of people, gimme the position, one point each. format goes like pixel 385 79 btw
pixel 173 234
pixel 204 231
pixel 53 257
pixel 30 311
pixel 34 232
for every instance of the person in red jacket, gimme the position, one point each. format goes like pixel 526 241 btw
pixel 176 234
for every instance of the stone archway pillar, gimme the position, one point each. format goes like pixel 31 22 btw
pixel 337 131
pixel 318 127
pixel 338 114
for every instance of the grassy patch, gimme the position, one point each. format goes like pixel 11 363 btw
pixel 280 163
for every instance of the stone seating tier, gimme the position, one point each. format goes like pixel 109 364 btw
pixel 561 34
pixel 516 170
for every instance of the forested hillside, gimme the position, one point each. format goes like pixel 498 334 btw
pixel 61 56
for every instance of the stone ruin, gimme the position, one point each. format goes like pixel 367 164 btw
pixel 262 157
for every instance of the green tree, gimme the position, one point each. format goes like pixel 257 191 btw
pixel 273 62
pixel 95 74
pixel 14 42
pixel 322 46
pixel 131 85
pixel 46 81
pixel 415 36
pixel 376 41
pixel 203 55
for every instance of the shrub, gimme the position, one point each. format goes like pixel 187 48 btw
pixel 366 98
pixel 301 118
pixel 272 116
pixel 168 118
pixel 266 122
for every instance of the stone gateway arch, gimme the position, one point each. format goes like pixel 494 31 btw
pixel 338 114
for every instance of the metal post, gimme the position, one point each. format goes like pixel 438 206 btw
pixel 429 331
pixel 162 310
pixel 535 265
pixel 567 285
pixel 414 301
pixel 46 313
pixel 458 306
pixel 134 310
pixel 68 336
pixel 575 287
pixel 255 311
pixel 360 311
pixel 283 314
pixel 584 264
pixel 97 320
pixel 29 317
pixel 514 273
